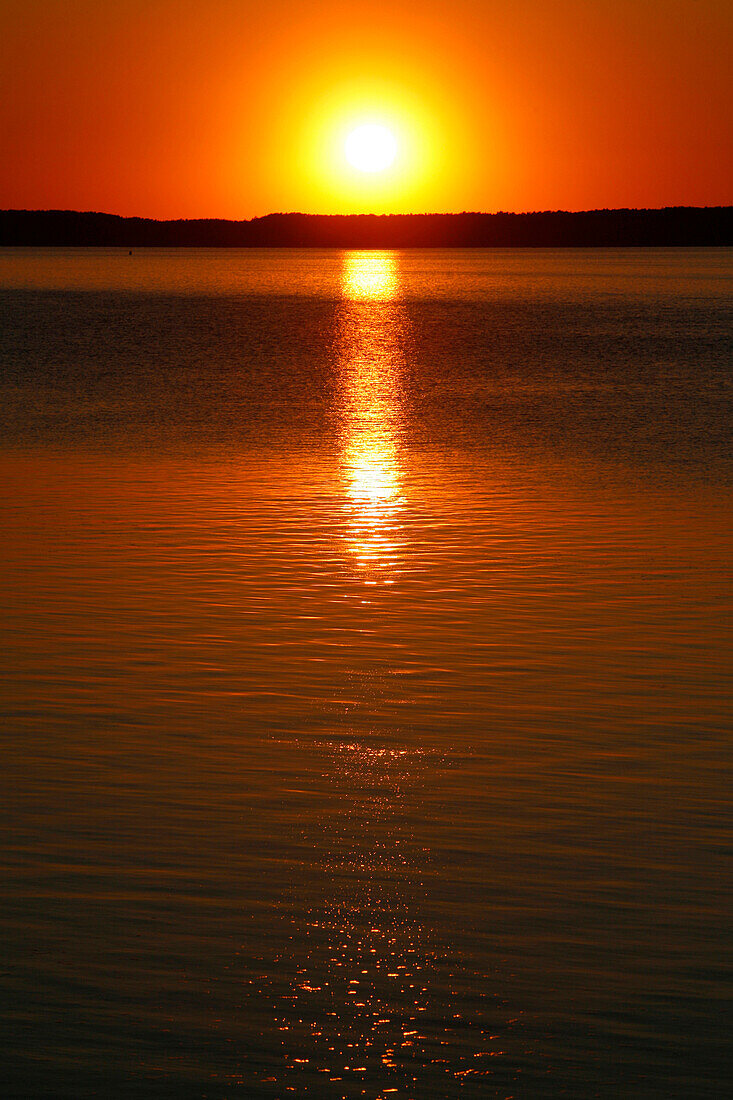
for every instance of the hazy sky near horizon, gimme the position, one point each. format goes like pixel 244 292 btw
pixel 235 108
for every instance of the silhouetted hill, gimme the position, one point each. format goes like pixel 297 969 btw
pixel 674 225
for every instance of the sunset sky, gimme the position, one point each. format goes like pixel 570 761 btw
pixel 235 108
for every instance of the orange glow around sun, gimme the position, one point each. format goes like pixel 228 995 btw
pixel 237 109
pixel 371 149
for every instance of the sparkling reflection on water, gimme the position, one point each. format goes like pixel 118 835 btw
pixel 363 984
pixel 371 331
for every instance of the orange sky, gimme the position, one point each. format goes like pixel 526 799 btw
pixel 230 108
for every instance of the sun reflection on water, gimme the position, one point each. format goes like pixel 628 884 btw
pixel 362 992
pixel 371 338
pixel 370 276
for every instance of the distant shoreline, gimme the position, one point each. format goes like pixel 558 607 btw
pixel 674 226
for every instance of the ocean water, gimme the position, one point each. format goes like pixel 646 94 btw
pixel 365 676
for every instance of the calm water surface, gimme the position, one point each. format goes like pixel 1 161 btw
pixel 365 677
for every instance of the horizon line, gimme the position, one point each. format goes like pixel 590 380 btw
pixel 366 213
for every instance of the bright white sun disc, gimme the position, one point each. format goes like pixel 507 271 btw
pixel 370 148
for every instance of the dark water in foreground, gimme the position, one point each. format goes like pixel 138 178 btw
pixel 365 674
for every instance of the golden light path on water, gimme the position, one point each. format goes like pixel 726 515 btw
pixel 371 334
pixel 369 986
pixel 374 944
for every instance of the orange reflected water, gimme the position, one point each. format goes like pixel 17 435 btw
pixel 374 773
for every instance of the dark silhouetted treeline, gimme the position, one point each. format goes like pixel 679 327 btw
pixel 675 225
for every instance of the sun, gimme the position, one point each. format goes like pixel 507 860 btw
pixel 370 148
